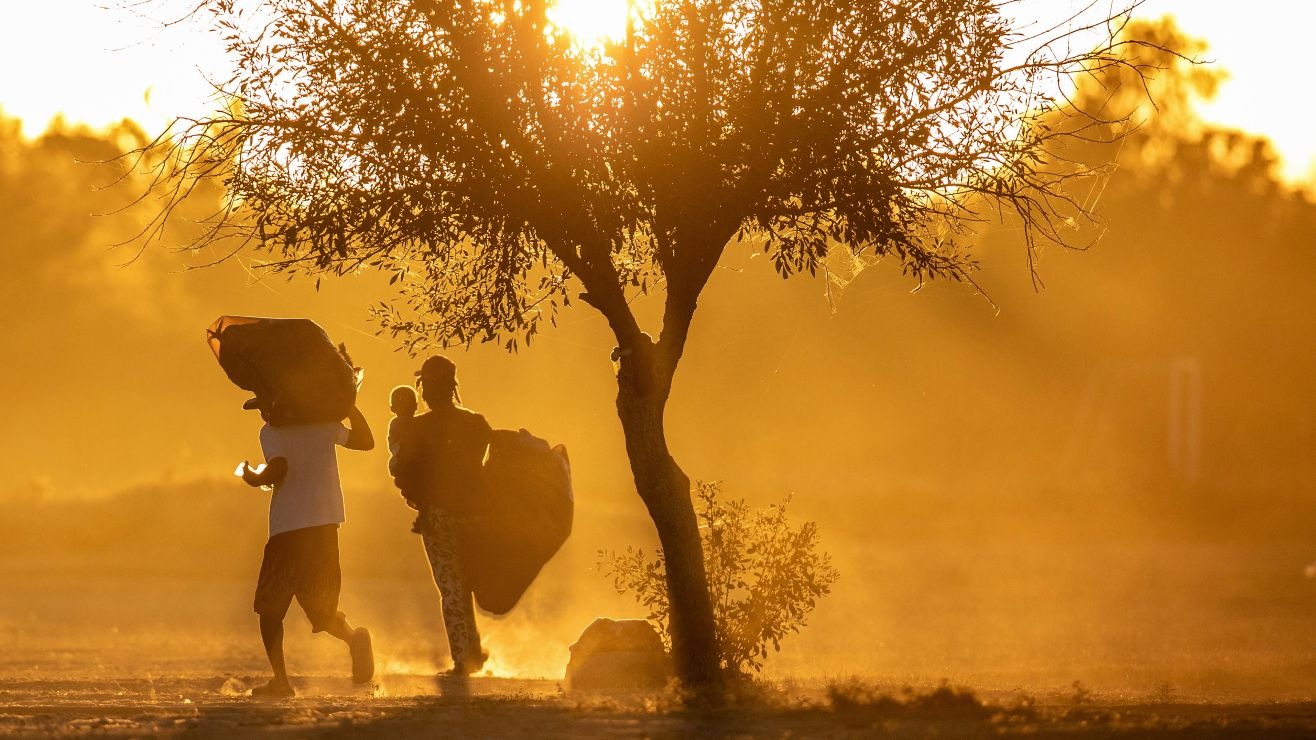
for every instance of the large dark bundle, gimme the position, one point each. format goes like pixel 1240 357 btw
pixel 289 364
pixel 525 517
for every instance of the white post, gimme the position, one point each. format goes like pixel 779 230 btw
pixel 1183 437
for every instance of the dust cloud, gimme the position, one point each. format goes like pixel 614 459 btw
pixel 1109 481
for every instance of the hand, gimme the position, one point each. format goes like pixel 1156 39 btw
pixel 253 476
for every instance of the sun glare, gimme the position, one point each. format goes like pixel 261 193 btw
pixel 591 21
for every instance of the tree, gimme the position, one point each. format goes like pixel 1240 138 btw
pixel 499 170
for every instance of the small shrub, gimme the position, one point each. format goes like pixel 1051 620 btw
pixel 764 577
pixel 853 695
pixel 943 702
pixel 950 701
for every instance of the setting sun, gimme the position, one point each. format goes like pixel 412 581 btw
pixel 591 21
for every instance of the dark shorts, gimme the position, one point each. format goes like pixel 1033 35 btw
pixel 303 564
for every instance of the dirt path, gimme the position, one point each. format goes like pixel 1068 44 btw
pixel 412 706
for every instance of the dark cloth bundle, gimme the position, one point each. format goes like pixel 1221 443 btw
pixel 524 516
pixel 291 365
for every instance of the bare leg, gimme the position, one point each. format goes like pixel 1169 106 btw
pixel 358 642
pixel 271 634
pixel 338 627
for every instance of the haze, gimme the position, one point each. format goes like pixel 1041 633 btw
pixel 1108 481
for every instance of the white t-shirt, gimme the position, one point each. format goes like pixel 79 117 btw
pixel 310 494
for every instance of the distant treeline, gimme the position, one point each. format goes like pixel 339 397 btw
pixel 1170 361
pixel 217 528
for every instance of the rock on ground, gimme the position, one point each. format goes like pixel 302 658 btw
pixel 618 654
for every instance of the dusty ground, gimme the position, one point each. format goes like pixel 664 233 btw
pixel 410 706
pixel 1061 633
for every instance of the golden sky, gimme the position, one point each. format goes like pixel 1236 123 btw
pixel 98 64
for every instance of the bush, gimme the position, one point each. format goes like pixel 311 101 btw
pixel 764 577
pixel 944 702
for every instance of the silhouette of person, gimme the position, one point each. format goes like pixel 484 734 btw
pixel 438 471
pixel 403 403
pixel 301 556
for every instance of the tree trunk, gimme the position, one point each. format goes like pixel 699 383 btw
pixel 665 490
